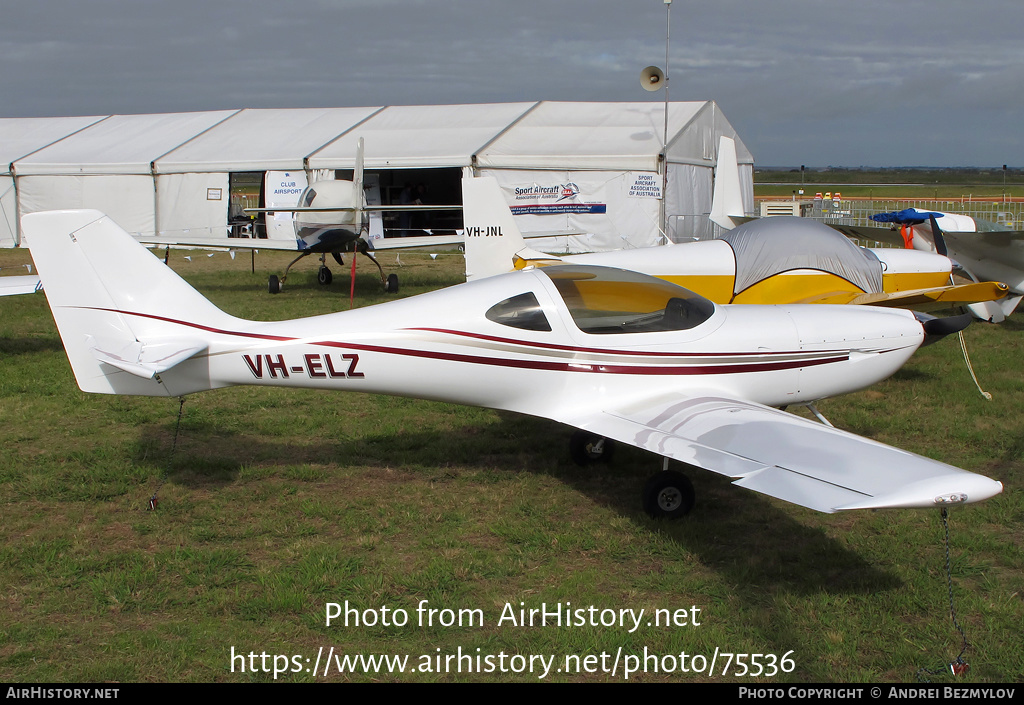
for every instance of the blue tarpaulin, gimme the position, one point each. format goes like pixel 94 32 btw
pixel 907 216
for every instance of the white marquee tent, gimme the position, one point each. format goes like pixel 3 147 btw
pixel 592 167
pixel 20 138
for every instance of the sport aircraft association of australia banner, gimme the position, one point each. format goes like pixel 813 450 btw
pixel 568 197
pixel 610 207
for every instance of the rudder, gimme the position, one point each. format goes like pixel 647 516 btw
pixel 119 310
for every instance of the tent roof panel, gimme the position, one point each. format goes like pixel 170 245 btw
pixel 121 144
pixel 421 136
pixel 262 139
pixel 697 143
pixel 588 136
pixel 20 137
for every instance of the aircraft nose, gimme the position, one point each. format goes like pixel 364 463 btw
pixel 858 328
pixel 875 343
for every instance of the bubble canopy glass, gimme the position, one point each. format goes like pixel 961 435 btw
pixel 603 300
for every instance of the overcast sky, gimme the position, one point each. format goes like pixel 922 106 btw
pixel 874 82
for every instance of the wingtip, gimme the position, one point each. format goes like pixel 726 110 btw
pixel 936 492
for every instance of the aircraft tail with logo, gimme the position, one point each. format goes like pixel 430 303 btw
pixel 125 317
pixel 494 244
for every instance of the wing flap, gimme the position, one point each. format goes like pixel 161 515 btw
pixel 788 457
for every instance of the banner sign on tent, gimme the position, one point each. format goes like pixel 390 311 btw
pixel 644 185
pixel 282 190
pixel 539 199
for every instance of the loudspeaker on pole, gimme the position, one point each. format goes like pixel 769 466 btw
pixel 652 78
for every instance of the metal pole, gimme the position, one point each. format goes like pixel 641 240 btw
pixel 664 165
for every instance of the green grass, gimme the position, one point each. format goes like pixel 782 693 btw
pixel 277 502
pixel 893 183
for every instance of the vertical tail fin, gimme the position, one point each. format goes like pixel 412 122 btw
pixel 492 237
pixel 124 317
pixel 727 200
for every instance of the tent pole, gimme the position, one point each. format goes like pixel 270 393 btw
pixel 664 163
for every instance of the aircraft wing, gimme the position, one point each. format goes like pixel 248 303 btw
pixel 786 456
pixel 351 209
pixel 919 299
pixel 225 243
pixel 403 243
pixel 246 243
pixel 11 286
pixel 867 232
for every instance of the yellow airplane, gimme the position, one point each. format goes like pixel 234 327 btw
pixel 776 260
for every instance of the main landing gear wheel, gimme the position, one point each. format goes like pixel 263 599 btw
pixel 274 285
pixel 324 276
pixel 669 495
pixel 587 448
pixel 391 285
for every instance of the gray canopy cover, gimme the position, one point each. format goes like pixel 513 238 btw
pixel 768 246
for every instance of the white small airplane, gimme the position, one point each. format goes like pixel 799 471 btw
pixel 763 261
pixel 983 249
pixel 27 284
pixel 331 218
pixel 616 354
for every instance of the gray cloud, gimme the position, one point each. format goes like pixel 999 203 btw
pixel 873 83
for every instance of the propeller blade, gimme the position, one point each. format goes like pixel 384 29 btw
pixel 936 329
pixel 940 242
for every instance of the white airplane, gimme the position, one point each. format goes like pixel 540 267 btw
pixel 763 261
pixel 331 219
pixel 983 249
pixel 27 284
pixel 611 352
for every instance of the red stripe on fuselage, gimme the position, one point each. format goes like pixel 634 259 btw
pixel 575 366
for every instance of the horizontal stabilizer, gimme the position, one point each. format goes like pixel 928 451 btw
pixel 144 360
pixel 527 257
pixel 28 284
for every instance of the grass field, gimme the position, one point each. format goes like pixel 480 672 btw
pixel 277 502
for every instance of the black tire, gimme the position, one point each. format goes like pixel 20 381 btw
pixel 587 448
pixel 669 495
pixel 324 276
pixel 274 285
pixel 391 285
